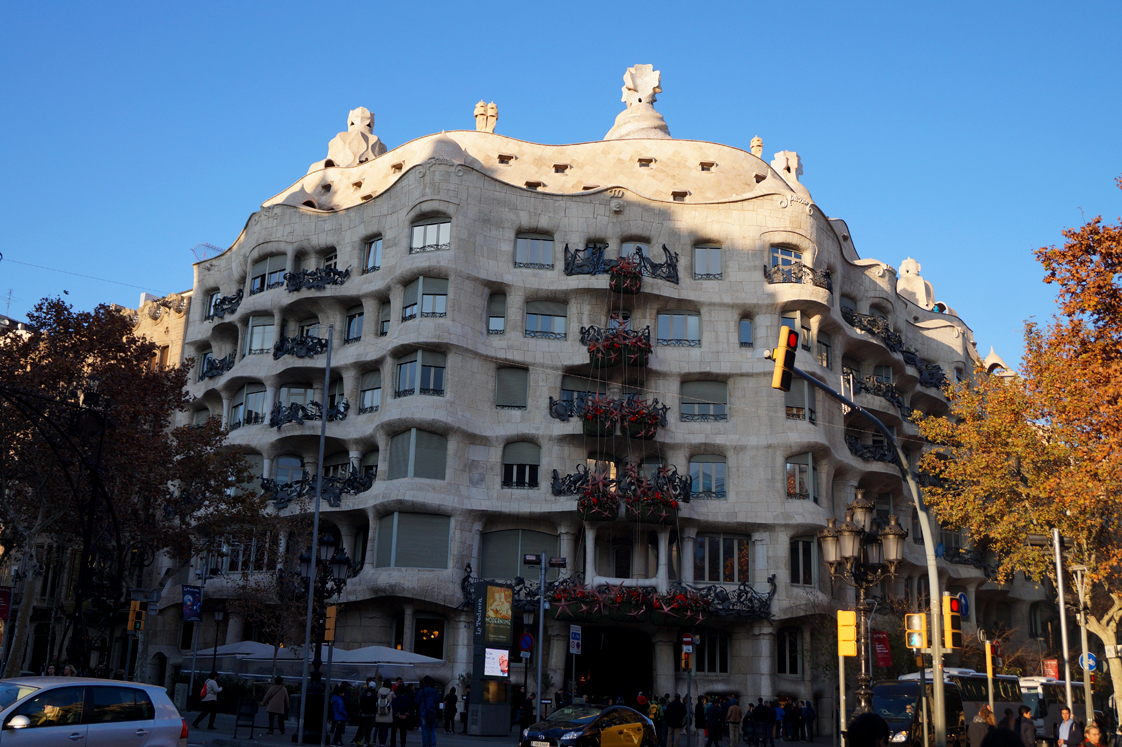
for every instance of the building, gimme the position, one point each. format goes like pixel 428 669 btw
pixel 497 275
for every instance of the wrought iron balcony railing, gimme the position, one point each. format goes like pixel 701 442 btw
pixel 591 261
pixel 872 452
pixel 316 279
pixel 534 265
pixel 802 413
pixel 709 495
pixel 704 417
pixel 225 305
pixel 332 491
pixel 709 276
pixel 430 248
pixel 297 413
pixel 434 314
pixel 930 374
pixel 679 342
pixel 797 272
pixel 517 485
pixel 214 367
pixel 250 418
pixel 304 346
pixel 879 388
pixel 876 326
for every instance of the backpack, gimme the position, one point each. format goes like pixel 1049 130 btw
pixel 202 693
pixel 384 704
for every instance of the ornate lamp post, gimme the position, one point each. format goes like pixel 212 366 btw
pixel 332 567
pixel 219 616
pixel 861 555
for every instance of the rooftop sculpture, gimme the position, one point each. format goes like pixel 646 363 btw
pixel 641 84
pixel 357 145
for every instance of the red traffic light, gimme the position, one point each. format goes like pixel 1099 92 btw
pixel 793 340
pixel 955 605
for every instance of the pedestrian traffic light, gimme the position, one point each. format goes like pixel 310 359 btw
pixel 784 357
pixel 687 665
pixel 952 622
pixel 136 617
pixel 847 633
pixel 329 623
pixel 915 630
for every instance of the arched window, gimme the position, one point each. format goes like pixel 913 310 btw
pixel 521 462
pixel 267 273
pixel 788 651
pixel 417 453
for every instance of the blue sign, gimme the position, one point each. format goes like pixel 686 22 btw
pixel 526 642
pixel 1088 661
pixel 964 603
pixel 192 602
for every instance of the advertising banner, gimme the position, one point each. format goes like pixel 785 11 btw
pixel 1052 668
pixel 496 663
pixel 881 647
pixel 192 602
pixel 498 627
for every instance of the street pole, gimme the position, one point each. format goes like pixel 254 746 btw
pixel 1079 570
pixel 864 678
pixel 541 636
pixel 923 695
pixel 936 627
pixel 989 671
pixel 327 691
pixel 841 700
pixel 315 539
pixel 1063 616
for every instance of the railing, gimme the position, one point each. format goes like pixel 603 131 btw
pixel 709 495
pixel 349 340
pixel 802 413
pixel 879 388
pixel 225 305
pixel 316 279
pixel 872 452
pixel 970 557
pixel 258 351
pixel 665 479
pixel 407 317
pixel 214 367
pixel 332 491
pixel 709 276
pixel 368 270
pixel 797 272
pixel 517 485
pixel 678 342
pixel 434 314
pixel 432 392
pixel 591 261
pixel 398 393
pixel 534 265
pixel 251 418
pixel 704 417
pixel 930 374
pixel 876 326
pixel 430 248
pixel 799 495
pixel 304 346
pixel 545 335
pixel 367 410
pixel 297 413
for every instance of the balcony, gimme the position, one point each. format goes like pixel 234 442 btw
pixel 872 452
pixel 797 272
pixel 591 261
pixel 802 413
pixel 430 248
pixel 317 279
pixel 304 346
pixel 542 335
pixel 879 388
pixel 297 413
pixel 225 305
pixel 599 415
pixel 215 367
pixel 877 327
pixel 251 418
pixel 332 491
pixel 930 374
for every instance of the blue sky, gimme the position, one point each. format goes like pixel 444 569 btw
pixel 964 135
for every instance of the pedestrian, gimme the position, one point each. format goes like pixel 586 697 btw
pixel 1025 728
pixel 338 714
pixel 713 724
pixel 675 720
pixel 760 716
pixel 792 716
pixel 428 711
pixel 401 708
pixel 780 715
pixel 867 730
pixel 276 703
pixel 527 716
pixel 733 717
pixel 982 725
pixel 209 700
pixel 1070 733
pixel 810 721
pixel 383 718
pixel 450 703
pixel 367 712
pixel 699 716
pixel 464 714
pixel 1093 737
pixel 1008 721
pixel 660 725
pixel 516 701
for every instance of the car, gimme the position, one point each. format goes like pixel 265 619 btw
pixel 87 712
pixel 581 725
pixel 898 703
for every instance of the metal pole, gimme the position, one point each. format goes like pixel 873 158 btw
pixel 315 539
pixel 1063 616
pixel 864 691
pixel 872 662
pixel 194 656
pixel 1079 579
pixel 841 699
pixel 989 671
pixel 541 637
pixel 936 627
pixel 690 725
pixel 923 695
pixel 327 691
pixel 214 659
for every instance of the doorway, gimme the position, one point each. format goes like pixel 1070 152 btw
pixel 613 662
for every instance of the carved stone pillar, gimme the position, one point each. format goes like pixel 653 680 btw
pixel 567 537
pixel 663 640
pixel 688 538
pixel 270 400
pixel 235 629
pixel 663 574
pixel 589 551
pixel 763 662
pixel 407 628
pixel 225 410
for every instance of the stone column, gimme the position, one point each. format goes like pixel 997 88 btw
pixel 763 668
pixel 589 551
pixel 558 653
pixel 640 554
pixel 407 628
pixel 476 546
pixel 225 410
pixel 687 538
pixel 235 629
pixel 663 574
pixel 270 400
pixel 760 565
pixel 663 640
pixel 567 538
pixel 267 471
pixel 356 458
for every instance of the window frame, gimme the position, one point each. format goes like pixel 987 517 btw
pixel 687 341
pixel 526 253
pixel 707 252
pixel 810 474
pixel 411 460
pixel 785 256
pixel 374 244
pixel 529 472
pixel 798 547
pixel 691 412
pixel 492 302
pixel 392 552
pixel 702 554
pixel 354 318
pixel 751 343
pixel 425 246
pixel 785 651
pixel 712 495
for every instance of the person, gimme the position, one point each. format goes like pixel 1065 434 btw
pixel 383 718
pixel 428 711
pixel 660 725
pixel 516 701
pixel 810 718
pixel 1093 736
pixel 713 724
pixel 209 704
pixel 867 730
pixel 792 718
pixel 699 716
pixel 338 714
pixel 1025 728
pixel 367 711
pixel 675 720
pixel 450 703
pixel 1008 721
pixel 780 714
pixel 401 708
pixel 760 723
pixel 464 714
pixel 733 717
pixel 1070 733
pixel 654 713
pixel 276 703
pixel 982 724
pixel 527 716
pixel 69 671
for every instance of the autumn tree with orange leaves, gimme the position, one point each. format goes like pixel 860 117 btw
pixel 1021 455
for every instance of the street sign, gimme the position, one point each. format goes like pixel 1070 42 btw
pixel 687 643
pixel 526 643
pixel 574 639
pixel 965 605
pixel 525 654
pixel 1088 661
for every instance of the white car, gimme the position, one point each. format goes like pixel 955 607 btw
pixel 88 713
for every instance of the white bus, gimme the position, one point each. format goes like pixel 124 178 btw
pixel 1046 696
pixel 975 690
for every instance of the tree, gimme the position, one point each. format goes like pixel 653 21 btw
pixel 90 462
pixel 1022 455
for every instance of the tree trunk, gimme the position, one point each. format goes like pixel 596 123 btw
pixel 14 665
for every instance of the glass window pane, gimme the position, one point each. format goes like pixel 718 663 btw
pixel 714 565
pixel 807 565
pixel 728 560
pixel 664 321
pixel 59 707
pixel 699 559
pixel 693 327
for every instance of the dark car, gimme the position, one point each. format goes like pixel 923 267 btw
pixel 591 726
pixel 899 704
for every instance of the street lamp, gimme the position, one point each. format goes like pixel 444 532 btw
pixel 219 616
pixel 861 555
pixel 327 578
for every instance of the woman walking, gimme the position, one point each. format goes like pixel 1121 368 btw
pixel 276 703
pixel 982 725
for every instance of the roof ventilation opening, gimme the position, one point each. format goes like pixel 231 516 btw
pixel 367 197
pixel 679 196
pixel 760 177
pixel 357 185
pixel 590 186
pixel 328 163
pixel 560 168
pixel 325 188
pixel 308 203
pixel 397 167
pixel 505 159
pixel 646 163
pixel 708 165
pixel 534 185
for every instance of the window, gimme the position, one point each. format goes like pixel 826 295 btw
pixel 206 359
pixel 159 360
pixel 577 390
pixel 308 328
pixel 708 474
pixel 520 465
pixel 248 406
pixel 330 261
pixel 800 401
pixel 369 465
pixel 711 651
pixel 337 465
pixel 629 248
pixel 295 395
pixel 851 367
pixel 370 392
pixel 200 416
pixel 372 259
pixel 259 337
pixel 211 300
pixel 746 333
pixel 431 236
pixel 533 251
pixel 290 469
pixel 61 706
pixel 802 562
pixel 433 294
pixel 432 373
pixel 721 558
pixel 824 344
pixel 704 401
pixel 428 637
pixel 788 651
pixel 384 319
pixel 511 388
pixel 416 453
pixel 500 555
pixel 781 256
pixel 412 541
pixel 187 634
pixel 796 321
pixel 679 328
pixel 802 477
pixel 707 263
pixel 267 273
pixel 260 554
pixel 406 376
pixel 335 394
pixel 883 374
pixel 884 508
pixel 848 304
pixel 496 314
pixel 546 319
pixel 354 324
pixel 619 320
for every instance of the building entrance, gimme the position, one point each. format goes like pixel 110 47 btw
pixel 613 662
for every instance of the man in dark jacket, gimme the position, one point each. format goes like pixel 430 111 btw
pixel 714 723
pixel 1070 731
pixel 675 720
pixel 1025 728
pixel 428 709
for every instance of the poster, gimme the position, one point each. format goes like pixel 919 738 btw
pixel 5 602
pixel 496 663
pixel 1052 668
pixel 882 649
pixel 498 627
pixel 192 601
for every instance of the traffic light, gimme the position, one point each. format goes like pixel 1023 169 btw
pixel 329 623
pixel 784 357
pixel 136 617
pixel 952 622
pixel 847 633
pixel 687 665
pixel 915 630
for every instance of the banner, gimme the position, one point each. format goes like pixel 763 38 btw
pixel 881 647
pixel 5 602
pixel 192 602
pixel 498 627
pixel 1052 668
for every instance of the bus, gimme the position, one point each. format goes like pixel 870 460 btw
pixel 1046 696
pixel 974 688
pixel 899 704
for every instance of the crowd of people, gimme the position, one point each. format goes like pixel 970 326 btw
pixel 764 723
pixel 870 730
